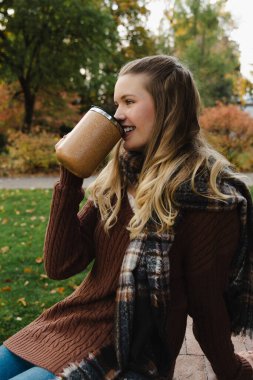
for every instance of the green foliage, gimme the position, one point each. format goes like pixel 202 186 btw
pixel 45 43
pixel 230 130
pixel 70 45
pixel 197 32
pixel 135 41
pixel 130 16
pixel 77 47
pixel 25 290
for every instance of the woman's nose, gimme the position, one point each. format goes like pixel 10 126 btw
pixel 119 115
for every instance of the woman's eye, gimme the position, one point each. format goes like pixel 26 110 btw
pixel 129 101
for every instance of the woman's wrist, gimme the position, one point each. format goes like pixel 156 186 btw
pixel 68 178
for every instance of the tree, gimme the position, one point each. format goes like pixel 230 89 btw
pixel 198 35
pixel 45 44
pixel 135 41
pixel 131 16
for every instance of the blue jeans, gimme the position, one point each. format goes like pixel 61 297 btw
pixel 12 367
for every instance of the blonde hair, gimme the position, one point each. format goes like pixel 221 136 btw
pixel 176 153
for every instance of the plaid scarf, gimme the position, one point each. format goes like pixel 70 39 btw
pixel 140 349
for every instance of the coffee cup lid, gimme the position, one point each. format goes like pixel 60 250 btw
pixel 109 117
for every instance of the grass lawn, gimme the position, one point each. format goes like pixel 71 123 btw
pixel 25 290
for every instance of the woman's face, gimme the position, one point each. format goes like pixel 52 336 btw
pixel 135 110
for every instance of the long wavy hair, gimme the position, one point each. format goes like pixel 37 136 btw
pixel 176 153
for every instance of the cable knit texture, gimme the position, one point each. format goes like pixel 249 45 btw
pixel 84 321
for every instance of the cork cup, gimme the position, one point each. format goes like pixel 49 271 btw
pixel 90 141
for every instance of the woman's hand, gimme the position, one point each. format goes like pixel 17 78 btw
pixel 60 141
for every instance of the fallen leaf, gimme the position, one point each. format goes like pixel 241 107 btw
pixel 29 211
pixel 22 301
pixel 4 249
pixel 57 290
pixel 60 290
pixel 39 260
pixel 73 286
pixel 6 289
pixel 5 221
pixel 28 270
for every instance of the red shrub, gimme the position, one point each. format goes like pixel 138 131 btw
pixel 230 131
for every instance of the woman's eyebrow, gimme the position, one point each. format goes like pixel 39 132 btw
pixel 126 96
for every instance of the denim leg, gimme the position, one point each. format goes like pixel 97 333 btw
pixel 33 373
pixel 14 367
pixel 11 364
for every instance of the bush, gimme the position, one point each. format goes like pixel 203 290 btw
pixel 11 108
pixel 29 153
pixel 230 131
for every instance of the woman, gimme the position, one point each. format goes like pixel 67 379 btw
pixel 169 227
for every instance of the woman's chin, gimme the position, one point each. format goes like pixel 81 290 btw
pixel 132 147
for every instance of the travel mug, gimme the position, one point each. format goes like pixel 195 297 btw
pixel 90 141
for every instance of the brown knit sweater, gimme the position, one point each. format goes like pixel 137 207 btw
pixel 84 321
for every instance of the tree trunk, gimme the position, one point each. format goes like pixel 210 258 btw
pixel 29 109
pixel 29 102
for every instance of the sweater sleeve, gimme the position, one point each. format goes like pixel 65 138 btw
pixel 212 240
pixel 69 246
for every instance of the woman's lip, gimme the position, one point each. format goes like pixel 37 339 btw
pixel 127 133
pixel 128 126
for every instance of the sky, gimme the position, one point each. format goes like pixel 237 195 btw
pixel 242 13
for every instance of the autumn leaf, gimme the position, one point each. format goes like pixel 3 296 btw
pixel 73 286
pixel 22 301
pixel 28 270
pixel 60 290
pixel 8 280
pixel 57 290
pixel 6 289
pixel 4 249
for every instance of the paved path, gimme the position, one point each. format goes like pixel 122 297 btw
pixel 191 363
pixel 48 182
pixel 33 182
